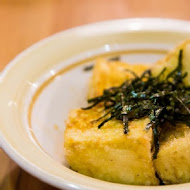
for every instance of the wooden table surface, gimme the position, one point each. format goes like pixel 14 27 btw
pixel 24 22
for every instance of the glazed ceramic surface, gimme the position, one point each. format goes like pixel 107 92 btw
pixel 41 85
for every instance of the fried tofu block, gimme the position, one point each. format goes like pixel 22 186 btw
pixel 171 61
pixel 108 74
pixel 108 153
pixel 173 163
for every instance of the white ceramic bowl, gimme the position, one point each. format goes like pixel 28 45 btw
pixel 40 86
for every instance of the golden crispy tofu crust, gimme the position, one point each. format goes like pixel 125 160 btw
pixel 107 74
pixel 170 61
pixel 173 163
pixel 108 153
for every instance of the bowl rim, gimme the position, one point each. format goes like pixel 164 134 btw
pixel 146 26
pixel 142 24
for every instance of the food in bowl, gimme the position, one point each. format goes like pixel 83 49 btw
pixel 136 127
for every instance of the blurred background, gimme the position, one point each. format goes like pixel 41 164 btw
pixel 24 22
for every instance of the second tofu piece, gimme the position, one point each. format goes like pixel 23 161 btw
pixel 173 163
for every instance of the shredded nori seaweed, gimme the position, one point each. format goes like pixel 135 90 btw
pixel 150 96
pixel 88 68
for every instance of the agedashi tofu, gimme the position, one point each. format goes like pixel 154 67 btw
pixel 108 153
pixel 157 147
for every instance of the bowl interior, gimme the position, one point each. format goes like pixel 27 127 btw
pixel 65 87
